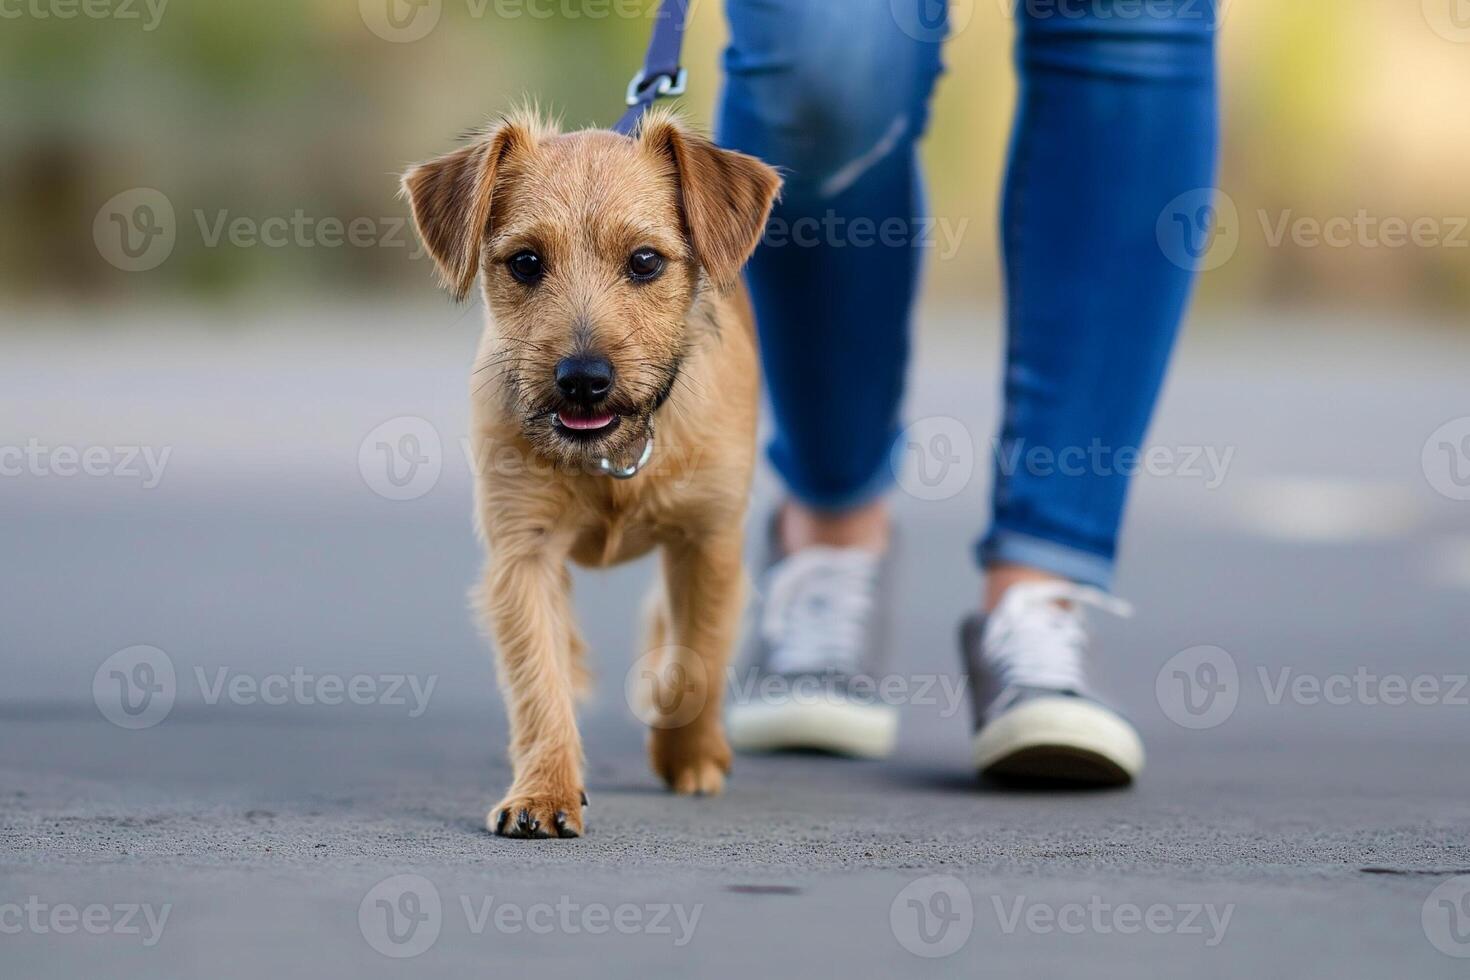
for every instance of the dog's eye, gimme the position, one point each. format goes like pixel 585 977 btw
pixel 645 265
pixel 526 267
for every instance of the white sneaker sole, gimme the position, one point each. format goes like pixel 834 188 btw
pixel 864 731
pixel 1066 740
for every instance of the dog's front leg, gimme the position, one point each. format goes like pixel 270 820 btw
pixel 705 584
pixel 529 615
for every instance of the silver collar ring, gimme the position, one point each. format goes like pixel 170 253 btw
pixel 608 468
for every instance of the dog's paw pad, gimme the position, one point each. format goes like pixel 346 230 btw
pixel 690 765
pixel 699 778
pixel 537 817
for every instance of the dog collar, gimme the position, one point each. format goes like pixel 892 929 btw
pixel 608 468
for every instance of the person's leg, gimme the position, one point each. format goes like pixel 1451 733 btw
pixel 835 93
pixel 1115 120
pixel 1116 117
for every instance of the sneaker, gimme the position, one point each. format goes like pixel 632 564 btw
pixel 1035 720
pixel 816 652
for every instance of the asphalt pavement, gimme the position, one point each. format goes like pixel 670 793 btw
pixel 248 728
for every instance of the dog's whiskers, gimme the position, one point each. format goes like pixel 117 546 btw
pixel 506 369
pixel 523 340
pixel 490 363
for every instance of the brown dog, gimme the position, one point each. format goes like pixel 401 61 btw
pixel 617 320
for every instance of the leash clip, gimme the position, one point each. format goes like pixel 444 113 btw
pixel 666 85
pixel 606 466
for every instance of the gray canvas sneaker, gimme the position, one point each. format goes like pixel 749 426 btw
pixel 818 635
pixel 1034 717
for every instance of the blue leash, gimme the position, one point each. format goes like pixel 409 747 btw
pixel 661 74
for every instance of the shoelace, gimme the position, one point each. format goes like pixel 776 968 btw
pixel 1032 640
pixel 817 608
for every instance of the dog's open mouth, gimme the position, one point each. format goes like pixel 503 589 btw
pixel 585 423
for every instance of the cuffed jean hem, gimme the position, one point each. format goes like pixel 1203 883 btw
pixel 836 501
pixel 1015 548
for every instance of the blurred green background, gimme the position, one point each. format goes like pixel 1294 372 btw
pixel 260 109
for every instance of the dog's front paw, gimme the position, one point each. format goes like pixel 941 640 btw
pixel 538 815
pixel 691 763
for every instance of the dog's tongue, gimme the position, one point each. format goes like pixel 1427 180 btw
pixel 585 422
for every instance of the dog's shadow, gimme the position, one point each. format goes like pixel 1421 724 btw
pixel 910 776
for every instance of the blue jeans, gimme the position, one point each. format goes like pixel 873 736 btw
pixel 1116 118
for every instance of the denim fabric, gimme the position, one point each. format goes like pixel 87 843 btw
pixel 1115 119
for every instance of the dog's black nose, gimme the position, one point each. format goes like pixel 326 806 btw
pixel 584 377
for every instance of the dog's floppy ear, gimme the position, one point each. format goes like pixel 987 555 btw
pixel 451 199
pixel 727 196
